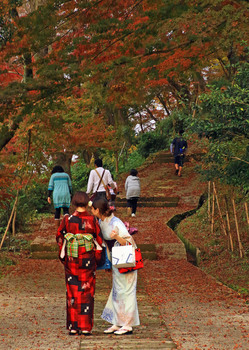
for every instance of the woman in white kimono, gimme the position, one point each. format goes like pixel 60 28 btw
pixel 121 308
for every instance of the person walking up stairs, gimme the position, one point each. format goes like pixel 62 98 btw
pixel 132 189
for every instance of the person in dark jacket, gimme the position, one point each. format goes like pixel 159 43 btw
pixel 132 189
pixel 179 148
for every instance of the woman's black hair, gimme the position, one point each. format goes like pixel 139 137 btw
pixel 103 206
pixel 57 169
pixel 80 199
pixel 133 172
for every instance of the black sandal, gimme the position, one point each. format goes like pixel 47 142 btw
pixel 86 333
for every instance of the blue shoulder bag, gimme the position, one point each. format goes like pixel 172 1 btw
pixel 104 263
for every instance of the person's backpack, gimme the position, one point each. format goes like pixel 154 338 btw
pixel 182 147
pixel 182 150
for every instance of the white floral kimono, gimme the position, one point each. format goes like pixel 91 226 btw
pixel 121 308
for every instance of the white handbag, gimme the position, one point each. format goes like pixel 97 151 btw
pixel 123 256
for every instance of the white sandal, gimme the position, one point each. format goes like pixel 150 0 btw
pixel 86 333
pixel 112 329
pixel 124 330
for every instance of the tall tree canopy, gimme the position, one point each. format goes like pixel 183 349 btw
pixel 74 73
pixel 223 117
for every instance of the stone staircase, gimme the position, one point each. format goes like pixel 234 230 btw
pixel 43 248
pixel 46 248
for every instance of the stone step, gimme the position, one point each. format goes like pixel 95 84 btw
pixel 44 255
pixel 159 201
pixel 123 344
pixel 43 251
pixel 168 159
pixel 54 255
pixel 41 248
pixel 149 255
pixel 147 247
pixel 149 204
pixel 171 250
pixel 41 244
pixel 148 251
pixel 152 199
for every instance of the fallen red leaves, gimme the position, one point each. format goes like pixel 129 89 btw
pixel 187 297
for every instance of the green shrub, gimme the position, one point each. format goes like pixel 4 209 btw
pixel 222 118
pixel 80 174
pixel 151 142
pixel 30 202
pixel 171 125
pixel 133 161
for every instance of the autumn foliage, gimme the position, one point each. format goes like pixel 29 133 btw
pixel 75 73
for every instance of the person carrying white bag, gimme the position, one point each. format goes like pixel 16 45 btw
pixel 121 308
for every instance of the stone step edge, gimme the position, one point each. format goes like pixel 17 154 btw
pixel 149 252
pixel 150 204
pixel 148 247
pixel 50 255
pixel 152 199
pixel 145 247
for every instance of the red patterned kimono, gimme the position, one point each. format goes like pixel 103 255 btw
pixel 80 272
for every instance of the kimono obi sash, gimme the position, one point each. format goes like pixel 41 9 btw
pixel 74 241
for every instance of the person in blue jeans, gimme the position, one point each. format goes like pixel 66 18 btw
pixel 61 186
pixel 179 148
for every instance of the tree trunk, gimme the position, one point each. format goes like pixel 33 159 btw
pixel 241 250
pixel 141 122
pixel 87 156
pixel 28 71
pixel 64 159
pixel 163 104
pixel 151 114
pixel 116 161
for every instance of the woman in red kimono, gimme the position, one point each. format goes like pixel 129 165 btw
pixel 75 238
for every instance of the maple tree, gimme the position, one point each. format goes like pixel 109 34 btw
pixel 131 49
pixel 78 73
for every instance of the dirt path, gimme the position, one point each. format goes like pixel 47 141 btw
pixel 176 299
pixel 32 313
pixel 200 313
